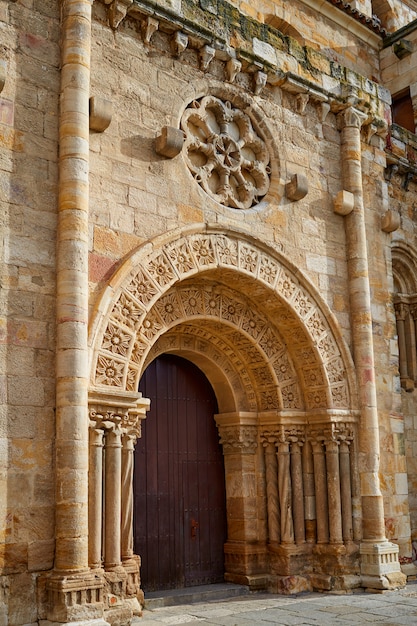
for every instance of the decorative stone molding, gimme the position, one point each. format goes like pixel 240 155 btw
pixel 179 42
pixel 232 169
pixel 170 142
pixel 150 302
pixel 117 11
pixel 260 82
pixel 233 67
pixel 238 439
pixel 149 27
pixel 297 188
pixel 101 111
pixel 207 54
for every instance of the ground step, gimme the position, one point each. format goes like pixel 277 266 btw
pixel 204 593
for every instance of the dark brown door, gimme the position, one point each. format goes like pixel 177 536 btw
pixel 180 526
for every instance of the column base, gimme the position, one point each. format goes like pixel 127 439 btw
pixel 380 567
pixel 76 598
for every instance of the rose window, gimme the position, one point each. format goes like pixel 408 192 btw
pixel 225 154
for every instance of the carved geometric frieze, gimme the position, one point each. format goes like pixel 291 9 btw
pixel 225 153
pixel 243 439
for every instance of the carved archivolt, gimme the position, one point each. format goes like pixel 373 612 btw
pixel 281 347
pixel 225 154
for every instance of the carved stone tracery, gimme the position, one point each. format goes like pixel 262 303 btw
pixel 225 154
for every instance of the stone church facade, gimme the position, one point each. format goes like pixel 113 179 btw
pixel 233 185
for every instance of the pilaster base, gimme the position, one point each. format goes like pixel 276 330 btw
pixel 75 599
pixel 245 560
pixel 288 585
pixel 380 567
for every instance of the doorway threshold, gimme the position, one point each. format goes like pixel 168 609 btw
pixel 188 595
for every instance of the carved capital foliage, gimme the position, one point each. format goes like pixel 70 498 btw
pixel 351 118
pixel 236 439
pixel 401 309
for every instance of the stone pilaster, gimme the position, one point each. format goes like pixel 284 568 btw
pixel 373 529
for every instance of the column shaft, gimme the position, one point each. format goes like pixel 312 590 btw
pixel 322 507
pixel 333 492
pixel 297 492
pixel 95 498
pixel 113 468
pixel 284 489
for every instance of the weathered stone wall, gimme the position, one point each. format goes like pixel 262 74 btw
pixel 29 47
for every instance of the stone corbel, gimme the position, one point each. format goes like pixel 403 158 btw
pixel 260 82
pixel 301 102
pixel 179 42
pixel 343 203
pixel 323 110
pixel 3 69
pixel 206 56
pixel 170 142
pixel 101 112
pixel 117 11
pixel 149 27
pixel 297 188
pixel 233 67
pixel 390 221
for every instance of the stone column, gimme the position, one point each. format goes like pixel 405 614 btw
pixel 321 491
pixel 297 492
pixel 333 491
pixel 71 582
pixel 401 312
pixel 128 442
pixel 95 497
pixel 271 477
pixel 285 492
pixel 112 497
pixel 309 494
pixel 346 491
pixel 373 529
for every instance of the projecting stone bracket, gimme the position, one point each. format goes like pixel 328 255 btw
pixel 101 111
pixel 170 142
pixel 297 188
pixel 117 11
pixel 343 202
pixel 390 221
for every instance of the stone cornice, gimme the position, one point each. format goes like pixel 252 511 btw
pixel 261 50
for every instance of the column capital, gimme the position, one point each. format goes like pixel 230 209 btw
pixel 123 409
pixel 351 118
pixel 238 438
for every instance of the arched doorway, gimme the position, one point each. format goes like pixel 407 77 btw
pixel 179 523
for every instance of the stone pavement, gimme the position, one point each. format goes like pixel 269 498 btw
pixel 387 609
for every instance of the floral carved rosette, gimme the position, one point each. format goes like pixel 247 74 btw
pixel 225 154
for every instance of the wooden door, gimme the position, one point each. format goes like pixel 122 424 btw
pixel 180 525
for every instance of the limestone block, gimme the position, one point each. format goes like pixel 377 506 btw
pixel 170 142
pixel 343 203
pixel 297 188
pixel 101 111
pixel 390 221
